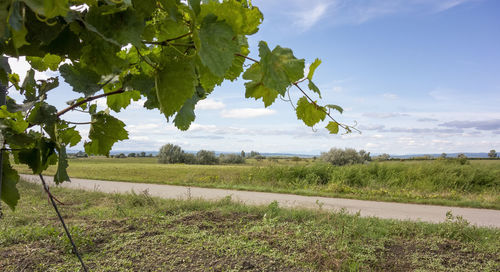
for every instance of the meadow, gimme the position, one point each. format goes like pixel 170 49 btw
pixel 137 232
pixel 440 182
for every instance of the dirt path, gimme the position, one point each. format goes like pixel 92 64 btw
pixel 416 212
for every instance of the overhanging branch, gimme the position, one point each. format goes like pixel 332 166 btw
pixel 88 99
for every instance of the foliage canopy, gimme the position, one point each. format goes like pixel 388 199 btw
pixel 171 53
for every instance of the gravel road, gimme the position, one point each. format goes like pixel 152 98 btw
pixel 389 210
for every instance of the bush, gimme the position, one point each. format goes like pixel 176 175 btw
pixel 170 153
pixel 232 159
pixel 206 157
pixel 337 156
pixel 131 155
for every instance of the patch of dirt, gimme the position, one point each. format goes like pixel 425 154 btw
pixel 29 257
pixel 405 255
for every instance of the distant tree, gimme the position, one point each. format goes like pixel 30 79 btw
pixel 170 153
pixel 337 156
pixel 131 155
pixel 492 154
pixel 314 158
pixel 189 158
pixel 206 157
pixel 462 159
pixel 295 159
pixel 259 157
pixel 232 159
pixel 242 153
pixel 383 157
pixel 254 154
pixel 81 154
pixel 443 155
pixel 121 156
pixel 142 154
pixel 365 155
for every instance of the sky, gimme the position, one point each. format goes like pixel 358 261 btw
pixel 414 76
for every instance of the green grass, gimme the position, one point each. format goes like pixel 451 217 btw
pixel 440 182
pixel 136 232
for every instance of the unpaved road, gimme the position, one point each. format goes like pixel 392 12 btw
pixel 389 210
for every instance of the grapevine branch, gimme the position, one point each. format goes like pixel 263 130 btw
pixel 296 84
pixel 75 249
pixel 88 99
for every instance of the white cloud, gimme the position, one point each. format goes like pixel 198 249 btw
pixel 244 113
pixel 20 66
pixel 210 104
pixel 309 15
pixel 390 96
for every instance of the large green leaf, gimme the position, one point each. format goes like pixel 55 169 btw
pixel 61 173
pixel 175 83
pixel 43 113
pixel 10 195
pixel 217 45
pixel 104 132
pixel 123 27
pixel 120 101
pixel 255 88
pixel 186 115
pixel 280 68
pixel 242 19
pixel 82 79
pixel 308 112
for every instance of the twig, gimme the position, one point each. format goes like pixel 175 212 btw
pixel 88 99
pixel 165 42
pixel 296 84
pixel 79 123
pixel 75 249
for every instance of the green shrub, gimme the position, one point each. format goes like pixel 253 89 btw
pixel 232 159
pixel 206 157
pixel 339 157
pixel 170 153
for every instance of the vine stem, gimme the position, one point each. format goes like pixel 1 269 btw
pixel 88 99
pixel 75 249
pixel 296 84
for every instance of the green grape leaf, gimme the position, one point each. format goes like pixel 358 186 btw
pixel 16 24
pixel 82 79
pixel 168 28
pixel 314 88
pixel 333 127
pixel 335 107
pixel 14 121
pixel 49 8
pixel 123 27
pixel 217 45
pixel 144 7
pixel 43 113
pixel 146 86
pixel 195 6
pixel 101 56
pixel 280 68
pixel 39 157
pixel 207 79
pixel 309 113
pixel 186 115
pixel 29 84
pixel 104 132
pixel 68 135
pixel 175 83
pixel 258 90
pixel 255 88
pixel 312 68
pixel 49 61
pixel 237 66
pixel 10 194
pixel 242 19
pixel 120 101
pixel 61 173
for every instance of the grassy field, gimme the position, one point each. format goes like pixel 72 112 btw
pixel 139 233
pixel 476 184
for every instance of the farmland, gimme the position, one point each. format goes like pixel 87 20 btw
pixel 138 232
pixel 441 182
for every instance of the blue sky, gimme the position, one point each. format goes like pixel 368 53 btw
pixel 417 76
